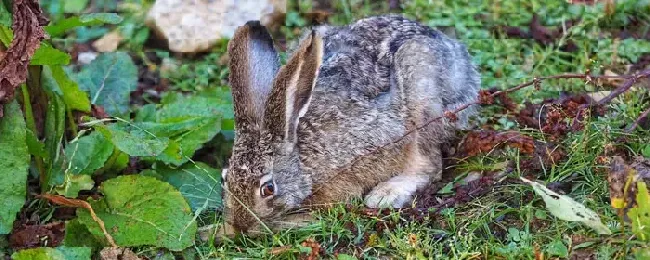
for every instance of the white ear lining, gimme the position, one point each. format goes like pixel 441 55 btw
pixel 291 90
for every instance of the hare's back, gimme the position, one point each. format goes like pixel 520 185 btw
pixel 358 57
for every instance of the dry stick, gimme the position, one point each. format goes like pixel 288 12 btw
pixel 636 123
pixel 630 80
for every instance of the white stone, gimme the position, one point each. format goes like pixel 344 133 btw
pixel 196 25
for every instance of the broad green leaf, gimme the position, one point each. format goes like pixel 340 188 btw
pixel 196 106
pixel 94 19
pixel 75 6
pixel 640 215
pixel 5 16
pixel 199 183
pixel 557 248
pixel 53 253
pixel 146 113
pixel 567 209
pixel 109 79
pixel 187 136
pixel 73 184
pixel 139 210
pixel 88 153
pixel 57 79
pixel 77 235
pixel 190 122
pixel 48 55
pixel 34 146
pixel 134 141
pixel 13 165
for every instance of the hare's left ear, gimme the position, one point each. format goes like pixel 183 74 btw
pixel 292 89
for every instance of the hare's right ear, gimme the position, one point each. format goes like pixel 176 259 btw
pixel 253 65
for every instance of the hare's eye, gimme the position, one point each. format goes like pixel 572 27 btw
pixel 267 189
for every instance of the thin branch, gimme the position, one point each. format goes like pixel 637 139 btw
pixel 631 80
pixel 637 122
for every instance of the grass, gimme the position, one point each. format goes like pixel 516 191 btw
pixel 510 221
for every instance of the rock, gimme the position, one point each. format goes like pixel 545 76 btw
pixel 87 57
pixel 196 25
pixel 109 42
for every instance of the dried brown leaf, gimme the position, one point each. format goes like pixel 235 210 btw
pixel 483 141
pixel 315 249
pixel 29 236
pixel 117 253
pixel 621 178
pixel 28 22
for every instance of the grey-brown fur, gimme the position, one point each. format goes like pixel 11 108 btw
pixel 379 78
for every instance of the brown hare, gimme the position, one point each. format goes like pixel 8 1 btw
pixel 343 93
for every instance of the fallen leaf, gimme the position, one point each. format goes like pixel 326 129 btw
pixel 63 201
pixel 565 208
pixel 280 250
pixel 27 236
pixel 28 22
pixel 622 178
pixel 484 141
pixel 117 253
pixel 315 249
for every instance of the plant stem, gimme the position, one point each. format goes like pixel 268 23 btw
pixel 31 125
pixel 73 125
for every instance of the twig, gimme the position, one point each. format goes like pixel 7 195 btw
pixel 631 80
pixel 636 123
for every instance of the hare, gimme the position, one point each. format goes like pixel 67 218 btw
pixel 343 119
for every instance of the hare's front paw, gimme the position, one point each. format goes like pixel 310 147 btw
pixel 396 192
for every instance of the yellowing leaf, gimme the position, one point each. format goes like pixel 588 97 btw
pixel 640 215
pixel 567 209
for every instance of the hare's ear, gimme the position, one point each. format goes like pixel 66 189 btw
pixel 292 89
pixel 253 65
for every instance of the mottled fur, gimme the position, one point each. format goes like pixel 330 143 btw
pixel 359 87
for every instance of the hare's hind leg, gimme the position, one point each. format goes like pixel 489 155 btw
pixel 399 190
pixel 421 69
